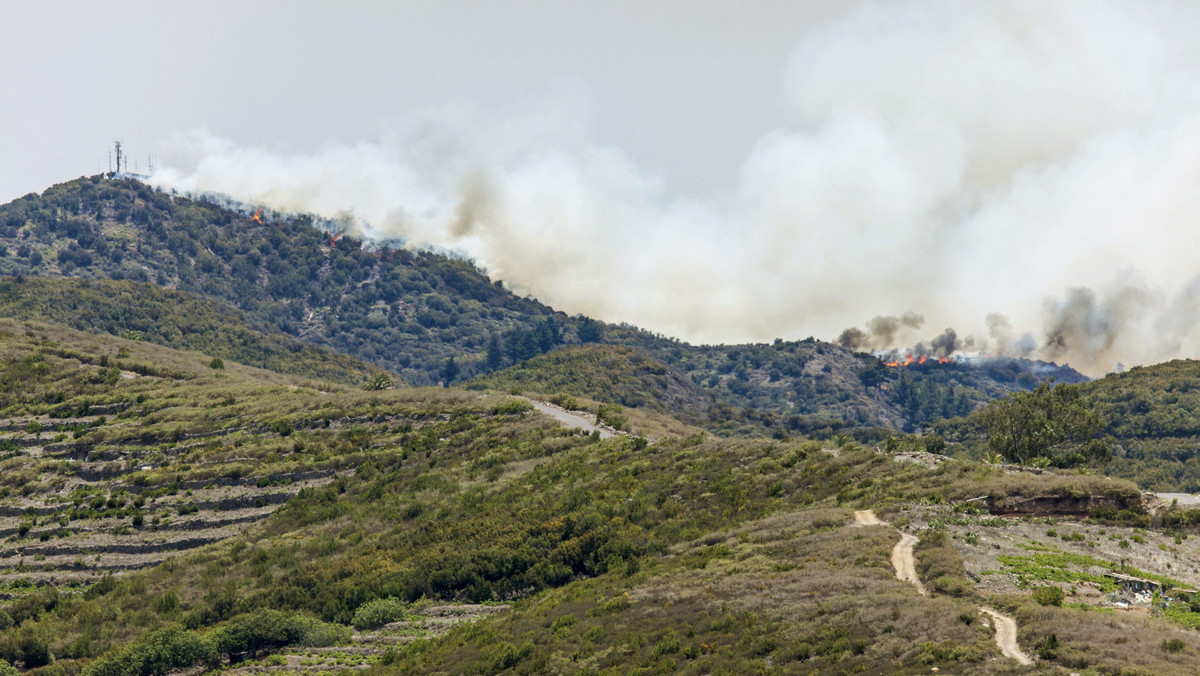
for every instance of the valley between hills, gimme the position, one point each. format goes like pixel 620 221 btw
pixel 251 445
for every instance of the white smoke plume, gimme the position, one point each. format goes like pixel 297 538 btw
pixel 957 158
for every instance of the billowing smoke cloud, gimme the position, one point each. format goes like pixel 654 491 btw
pixel 958 158
pixel 881 331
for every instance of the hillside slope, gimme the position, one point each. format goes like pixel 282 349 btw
pixel 158 513
pixel 172 319
pixel 439 320
pixel 613 374
pixel 1152 413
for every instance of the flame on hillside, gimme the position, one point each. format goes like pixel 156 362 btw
pixel 257 217
pixel 911 359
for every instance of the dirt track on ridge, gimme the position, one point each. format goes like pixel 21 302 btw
pixel 568 418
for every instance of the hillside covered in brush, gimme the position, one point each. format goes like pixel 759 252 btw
pixel 159 513
pixel 435 319
pixel 1152 413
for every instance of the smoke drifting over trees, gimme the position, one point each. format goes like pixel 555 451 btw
pixel 960 159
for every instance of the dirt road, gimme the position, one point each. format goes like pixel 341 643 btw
pixel 904 563
pixel 866 517
pixel 1006 636
pixel 906 570
pixel 567 418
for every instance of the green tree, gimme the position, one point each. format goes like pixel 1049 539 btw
pixel 495 353
pixel 1044 421
pixel 449 371
pixel 379 381
pixel 590 331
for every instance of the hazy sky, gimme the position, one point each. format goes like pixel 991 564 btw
pixel 684 86
pixel 714 171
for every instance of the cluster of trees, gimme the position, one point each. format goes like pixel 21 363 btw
pixel 245 636
pixel 1049 425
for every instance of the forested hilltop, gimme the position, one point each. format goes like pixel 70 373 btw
pixel 436 319
pixel 1150 413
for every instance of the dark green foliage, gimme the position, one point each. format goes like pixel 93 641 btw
pixel 1047 648
pixel 1149 421
pixel 163 651
pixel 378 612
pixel 249 634
pixel 1051 420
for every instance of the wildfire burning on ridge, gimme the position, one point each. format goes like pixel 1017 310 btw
pixel 257 217
pixel 916 359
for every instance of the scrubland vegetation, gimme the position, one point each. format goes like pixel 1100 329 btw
pixel 186 487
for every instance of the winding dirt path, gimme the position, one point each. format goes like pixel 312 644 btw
pixel 866 517
pixel 905 564
pixel 1006 636
pixel 906 571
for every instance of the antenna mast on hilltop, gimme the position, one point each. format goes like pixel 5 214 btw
pixel 118 147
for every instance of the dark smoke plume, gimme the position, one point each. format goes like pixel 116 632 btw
pixel 881 332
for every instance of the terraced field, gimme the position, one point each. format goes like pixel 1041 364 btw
pixel 116 455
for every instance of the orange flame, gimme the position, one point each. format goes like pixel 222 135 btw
pixel 909 360
pixel 257 217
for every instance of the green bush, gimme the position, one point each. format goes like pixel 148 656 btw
pixel 611 415
pixel 374 614
pixel 252 633
pixel 1173 645
pixel 939 564
pixel 160 653
pixel 1048 596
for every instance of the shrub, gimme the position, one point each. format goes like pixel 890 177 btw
pixel 160 653
pixel 1048 596
pixel 512 407
pixel 507 656
pixel 251 633
pixel 611 415
pixel 939 565
pixel 379 612
pixel 1173 645
pixel 216 364
pixel 1047 648
pixel 667 645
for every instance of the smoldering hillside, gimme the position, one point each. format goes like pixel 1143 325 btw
pixel 1023 174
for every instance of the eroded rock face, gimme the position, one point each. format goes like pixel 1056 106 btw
pixel 1060 505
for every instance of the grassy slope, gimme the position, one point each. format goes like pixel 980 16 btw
pixel 173 319
pixel 607 373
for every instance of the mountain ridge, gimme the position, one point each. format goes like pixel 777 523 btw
pixel 434 319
